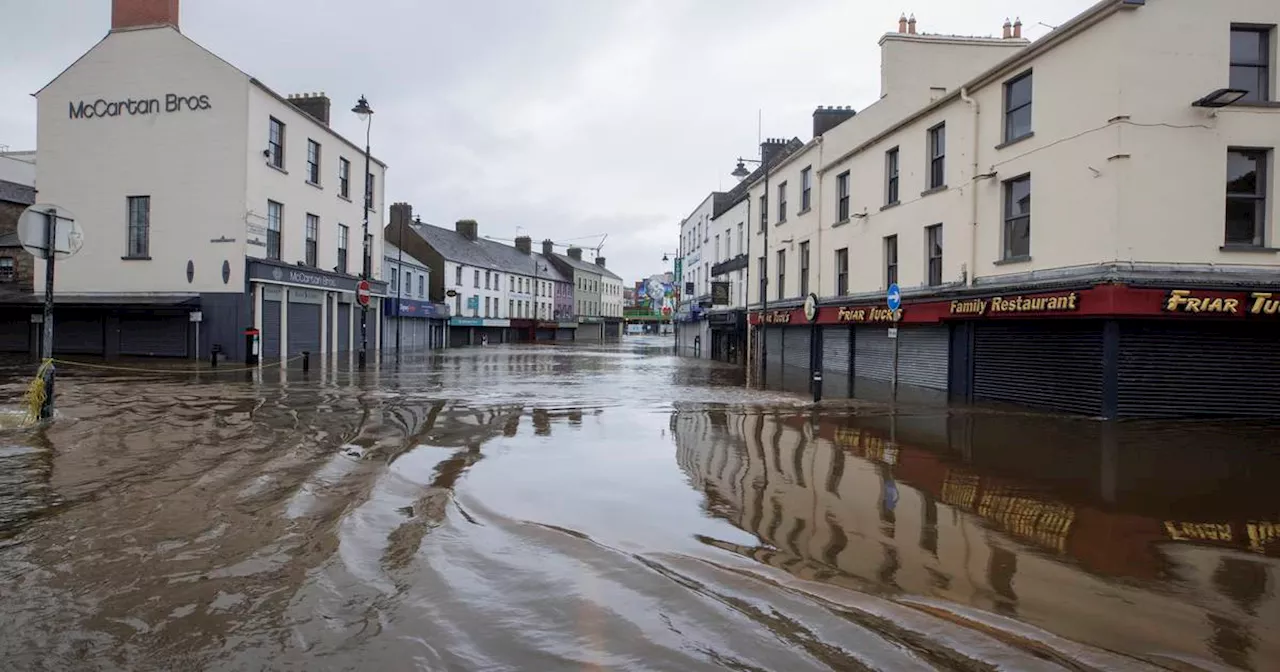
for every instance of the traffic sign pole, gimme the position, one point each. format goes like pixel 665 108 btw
pixel 894 300
pixel 46 348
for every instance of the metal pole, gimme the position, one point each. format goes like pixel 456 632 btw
pixel 813 363
pixel 764 273
pixel 46 347
pixel 368 251
pixel 896 338
pixel 399 284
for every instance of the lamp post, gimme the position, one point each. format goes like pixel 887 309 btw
pixel 741 172
pixel 365 114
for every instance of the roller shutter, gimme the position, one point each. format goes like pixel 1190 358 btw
pixel 15 333
pixel 270 329
pixel 459 336
pixel 78 334
pixel 836 349
pixel 564 334
pixel 795 341
pixel 1055 365
pixel 154 335
pixel 923 355
pixel 873 353
pixel 304 328
pixel 344 328
pixel 546 334
pixel 1168 369
pixel 773 345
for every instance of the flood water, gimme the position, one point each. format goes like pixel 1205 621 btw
pixel 614 507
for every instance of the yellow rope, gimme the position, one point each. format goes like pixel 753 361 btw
pixel 33 399
pixel 127 369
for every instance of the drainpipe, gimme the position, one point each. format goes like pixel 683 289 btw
pixel 973 189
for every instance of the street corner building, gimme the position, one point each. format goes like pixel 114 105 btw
pixel 212 206
pixel 1093 241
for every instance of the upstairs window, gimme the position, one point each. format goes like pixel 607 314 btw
pixel 1246 197
pixel 139 234
pixel 1251 62
pixel 890 260
pixel 343 234
pixel 1017 218
pixel 275 143
pixel 933 253
pixel 275 218
pixel 1017 108
pixel 782 202
pixel 842 197
pixel 313 235
pixel 344 178
pixel 806 188
pixel 313 162
pixel 891 177
pixel 938 156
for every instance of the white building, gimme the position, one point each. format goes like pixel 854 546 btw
pixel 411 320
pixel 693 334
pixel 202 193
pixel 1153 230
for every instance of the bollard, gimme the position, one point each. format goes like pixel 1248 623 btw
pixel 213 356
pixel 46 406
pixel 306 360
pixel 817 386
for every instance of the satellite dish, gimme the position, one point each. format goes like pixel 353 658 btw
pixel 33 230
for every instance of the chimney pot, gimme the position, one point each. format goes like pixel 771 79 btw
pixel 902 24
pixel 600 262
pixel 315 105
pixel 575 253
pixel 911 25
pixel 1008 29
pixel 524 244
pixel 1017 28
pixel 139 13
pixel 825 119
pixel 467 228
pixel 548 247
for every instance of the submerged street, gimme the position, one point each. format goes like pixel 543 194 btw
pixel 611 506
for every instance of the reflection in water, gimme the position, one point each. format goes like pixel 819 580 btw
pixel 519 508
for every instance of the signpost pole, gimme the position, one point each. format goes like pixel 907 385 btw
pixel 893 299
pixel 895 355
pixel 46 345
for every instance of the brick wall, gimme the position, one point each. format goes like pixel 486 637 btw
pixel 23 262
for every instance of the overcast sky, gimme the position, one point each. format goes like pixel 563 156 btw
pixel 569 119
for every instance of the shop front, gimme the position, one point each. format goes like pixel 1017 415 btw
pixel 297 310
pixel 419 325
pixel 728 335
pixel 566 331
pixel 478 331
pixel 693 332
pixel 590 329
pixel 1108 350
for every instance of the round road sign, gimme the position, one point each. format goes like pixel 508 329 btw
pixel 894 297
pixel 33 229
pixel 666 310
pixel 362 293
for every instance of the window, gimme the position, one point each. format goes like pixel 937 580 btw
pixel 804 268
pixel 457 275
pixel 782 202
pixel 486 306
pixel 343 233
pixel 842 196
pixel 313 234
pixel 764 212
pixel 487 277
pixel 1017 108
pixel 933 253
pixel 368 191
pixel 891 176
pixel 457 305
pixel 1017 218
pixel 313 161
pixel 742 249
pixel 806 188
pixel 275 143
pixel 476 280
pixel 513 283
pixel 938 156
pixel 511 308
pixel 782 273
pixel 1250 62
pixel 717 247
pixel 890 260
pixel 8 273
pixel 139 227
pixel 842 271
pixel 1246 197
pixel 368 256
pixel 422 286
pixel 764 279
pixel 275 215
pixel 344 178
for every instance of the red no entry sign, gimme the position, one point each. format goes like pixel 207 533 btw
pixel 362 292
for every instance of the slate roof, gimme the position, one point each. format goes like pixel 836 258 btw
pixel 390 251
pixel 736 195
pixel 515 261
pixel 586 266
pixel 484 253
pixel 17 193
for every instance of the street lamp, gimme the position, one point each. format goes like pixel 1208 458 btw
pixel 741 172
pixel 365 114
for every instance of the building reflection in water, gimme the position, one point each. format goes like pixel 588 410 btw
pixel 1134 538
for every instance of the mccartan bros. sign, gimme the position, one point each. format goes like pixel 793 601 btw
pixel 92 109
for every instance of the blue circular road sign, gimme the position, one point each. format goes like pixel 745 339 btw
pixel 894 297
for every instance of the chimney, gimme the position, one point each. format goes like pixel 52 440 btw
pixel 575 253
pixel 911 25
pixel 1017 28
pixel 770 148
pixel 1008 29
pixel 143 13
pixel 467 228
pixel 902 24
pixel 524 244
pixel 548 248
pixel 401 214
pixel 600 262
pixel 827 118
pixel 314 104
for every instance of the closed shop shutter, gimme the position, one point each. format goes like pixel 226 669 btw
pixel 154 335
pixel 458 336
pixel 773 349
pixel 795 341
pixel 15 332
pixel 78 334
pixel 564 334
pixel 304 328
pixel 835 349
pixel 1167 369
pixel 270 328
pixel 1056 365
pixel 923 356
pixel 344 327
pixel 546 334
pixel 873 353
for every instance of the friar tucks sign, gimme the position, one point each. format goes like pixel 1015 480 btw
pixel 135 106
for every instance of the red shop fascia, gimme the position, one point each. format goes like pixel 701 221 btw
pixel 1098 301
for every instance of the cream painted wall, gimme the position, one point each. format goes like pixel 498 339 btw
pixel 183 160
pixel 728 225
pixel 696 248
pixel 912 65
pixel 290 187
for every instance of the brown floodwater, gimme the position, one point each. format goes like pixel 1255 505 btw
pixel 614 507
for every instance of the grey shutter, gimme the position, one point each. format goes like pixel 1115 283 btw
pixel 154 335
pixel 344 328
pixel 773 344
pixel 923 356
pixel 15 333
pixel 270 328
pixel 304 328
pixel 78 334
pixel 795 341
pixel 564 334
pixel 1055 365
pixel 835 349
pixel 873 353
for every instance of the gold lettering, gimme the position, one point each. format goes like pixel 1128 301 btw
pixel 1177 298
pixel 1193 305
pixel 1231 306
